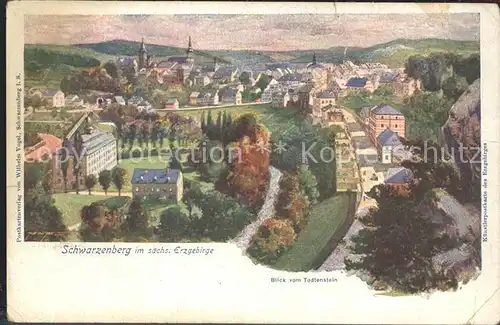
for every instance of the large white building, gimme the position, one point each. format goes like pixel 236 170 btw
pixel 99 152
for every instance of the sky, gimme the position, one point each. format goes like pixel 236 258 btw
pixel 251 32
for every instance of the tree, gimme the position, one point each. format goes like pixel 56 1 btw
pixel 112 69
pixel 263 81
pixel 245 78
pixel 175 163
pixel 118 176
pixel 136 225
pixel 154 134
pixel 132 135
pixel 308 184
pixel 384 91
pixel 203 123
pixel 90 182
pixel 98 224
pixel 175 224
pixel 105 180
pixel 454 86
pixel 78 143
pixel 64 156
pixel 397 244
pixel 43 221
pixel 271 241
pixel 291 205
pixel 145 134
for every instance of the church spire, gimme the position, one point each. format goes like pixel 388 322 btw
pixel 142 49
pixel 190 47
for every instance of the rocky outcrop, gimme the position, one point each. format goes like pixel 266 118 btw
pixel 462 132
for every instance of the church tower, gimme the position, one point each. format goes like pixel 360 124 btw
pixel 143 56
pixel 189 49
pixel 314 59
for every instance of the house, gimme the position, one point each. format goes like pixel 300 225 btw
pixel 399 179
pixel 100 154
pixel 193 98
pixel 157 184
pixel 290 80
pixel 338 86
pixel 202 80
pixel 73 101
pixel 387 141
pixel 144 106
pixel 332 114
pixel 213 98
pixel 364 114
pixel 225 75
pixel 135 100
pixel 46 148
pixel 54 98
pixel 371 171
pixel 232 96
pixel 323 99
pixel 400 83
pixel 172 103
pixel 280 100
pixel 385 116
pixel 120 100
pixel 128 66
pixel 267 95
pixel 357 84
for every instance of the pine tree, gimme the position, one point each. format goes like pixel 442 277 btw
pixel 219 126
pixel 203 123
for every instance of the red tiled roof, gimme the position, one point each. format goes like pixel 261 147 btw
pixel 48 145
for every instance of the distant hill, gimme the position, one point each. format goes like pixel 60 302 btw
pixel 129 48
pixel 394 53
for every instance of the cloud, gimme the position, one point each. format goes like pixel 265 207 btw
pixel 256 32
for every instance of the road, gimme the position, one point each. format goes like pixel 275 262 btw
pixel 100 193
pixel 197 108
pixel 336 259
pixel 244 239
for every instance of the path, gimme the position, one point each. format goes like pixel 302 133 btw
pixel 99 193
pixel 181 109
pixel 336 259
pixel 245 237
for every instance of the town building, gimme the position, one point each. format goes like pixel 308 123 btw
pixel 54 98
pixel 290 80
pixel 387 142
pixel 323 99
pixel 202 80
pixel 280 100
pixel 400 83
pixel 232 96
pixel 333 115
pixel 193 98
pixel 225 75
pixel 383 117
pixel 172 103
pixel 364 115
pixel 73 101
pixel 358 84
pixel 399 179
pixel 119 100
pixel 44 149
pixel 157 184
pixel 99 152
